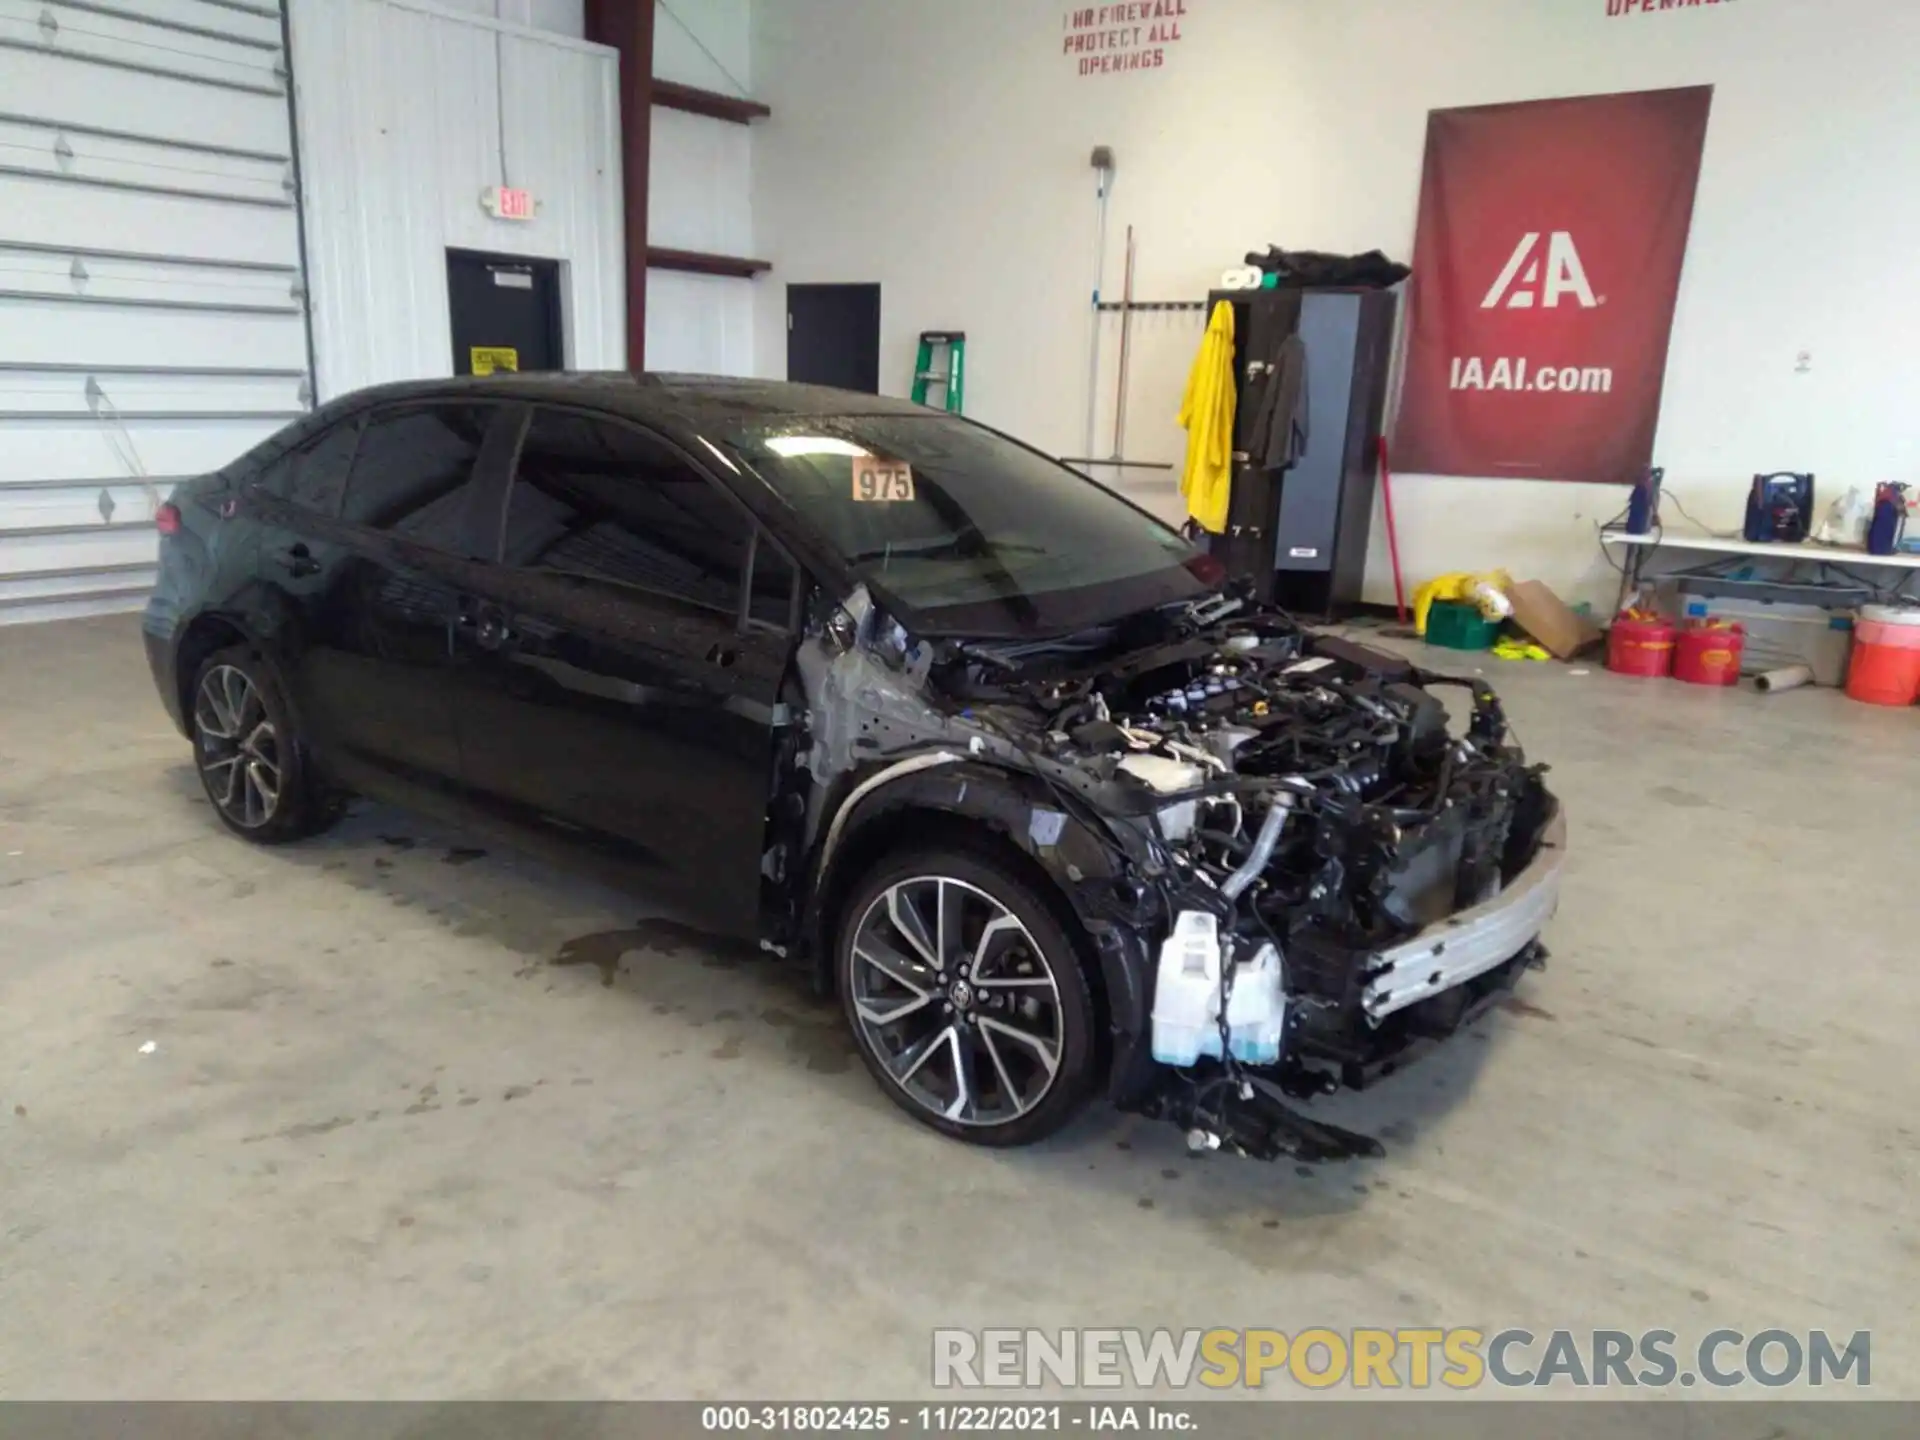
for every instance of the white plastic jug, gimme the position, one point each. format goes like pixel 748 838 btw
pixel 1257 1009
pixel 1186 991
pixel 1186 997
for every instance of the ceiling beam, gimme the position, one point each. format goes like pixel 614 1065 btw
pixel 699 262
pixel 691 98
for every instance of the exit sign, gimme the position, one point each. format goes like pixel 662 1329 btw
pixel 505 203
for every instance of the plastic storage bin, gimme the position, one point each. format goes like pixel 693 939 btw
pixel 1459 626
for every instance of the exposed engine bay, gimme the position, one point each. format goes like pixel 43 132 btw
pixel 1294 824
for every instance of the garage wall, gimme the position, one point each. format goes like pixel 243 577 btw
pixel 150 322
pixel 562 17
pixel 407 112
pixel 700 192
pixel 955 172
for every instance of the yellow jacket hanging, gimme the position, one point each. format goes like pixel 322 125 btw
pixel 1206 414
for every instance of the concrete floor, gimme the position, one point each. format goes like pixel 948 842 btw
pixel 390 1142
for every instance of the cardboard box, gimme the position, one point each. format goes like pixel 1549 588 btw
pixel 1562 631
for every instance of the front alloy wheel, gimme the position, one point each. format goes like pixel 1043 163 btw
pixel 967 1001
pixel 239 749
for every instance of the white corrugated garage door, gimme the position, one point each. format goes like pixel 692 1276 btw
pixel 152 318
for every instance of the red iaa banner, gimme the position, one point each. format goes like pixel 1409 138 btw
pixel 1544 273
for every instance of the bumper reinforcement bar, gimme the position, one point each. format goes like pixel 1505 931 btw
pixel 1455 950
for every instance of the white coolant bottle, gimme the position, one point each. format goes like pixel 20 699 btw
pixel 1257 1009
pixel 1186 991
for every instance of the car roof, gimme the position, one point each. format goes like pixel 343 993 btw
pixel 697 402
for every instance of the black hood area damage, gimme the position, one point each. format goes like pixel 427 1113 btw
pixel 1309 794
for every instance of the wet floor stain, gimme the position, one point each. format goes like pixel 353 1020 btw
pixel 399 842
pixel 1518 1006
pixel 517 1092
pixel 1685 799
pixel 1639 1040
pixel 302 1131
pixel 819 1037
pixel 1145 1202
pixel 605 949
pixel 462 855
pixel 816 1032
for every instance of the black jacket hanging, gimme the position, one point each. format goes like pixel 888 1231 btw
pixel 1273 430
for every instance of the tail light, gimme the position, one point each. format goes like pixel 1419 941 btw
pixel 166 518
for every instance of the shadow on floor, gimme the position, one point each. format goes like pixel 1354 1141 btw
pixel 522 904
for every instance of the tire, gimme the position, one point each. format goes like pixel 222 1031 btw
pixel 252 761
pixel 1012 1017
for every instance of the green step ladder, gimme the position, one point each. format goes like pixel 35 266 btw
pixel 953 379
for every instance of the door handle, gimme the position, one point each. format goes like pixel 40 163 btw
pixel 297 561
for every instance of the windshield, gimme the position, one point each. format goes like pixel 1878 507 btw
pixel 972 532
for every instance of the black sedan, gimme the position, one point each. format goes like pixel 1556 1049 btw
pixel 1051 808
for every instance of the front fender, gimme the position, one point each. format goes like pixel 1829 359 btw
pixel 1084 857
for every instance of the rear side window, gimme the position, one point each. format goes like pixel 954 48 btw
pixel 596 498
pixel 412 469
pixel 314 475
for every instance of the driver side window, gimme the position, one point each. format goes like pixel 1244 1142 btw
pixel 593 497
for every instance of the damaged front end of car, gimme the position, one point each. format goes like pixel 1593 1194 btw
pixel 1289 868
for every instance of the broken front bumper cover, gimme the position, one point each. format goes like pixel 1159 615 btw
pixel 1473 941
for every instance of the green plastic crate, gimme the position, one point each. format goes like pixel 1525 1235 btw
pixel 1459 626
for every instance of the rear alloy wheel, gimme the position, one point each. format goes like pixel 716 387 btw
pixel 239 748
pixel 967 999
pixel 249 756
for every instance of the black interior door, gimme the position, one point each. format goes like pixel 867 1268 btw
pixel 505 312
pixel 833 336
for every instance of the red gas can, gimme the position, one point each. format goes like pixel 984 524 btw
pixel 1708 652
pixel 1640 643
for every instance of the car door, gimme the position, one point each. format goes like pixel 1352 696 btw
pixel 376 587
pixel 621 666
